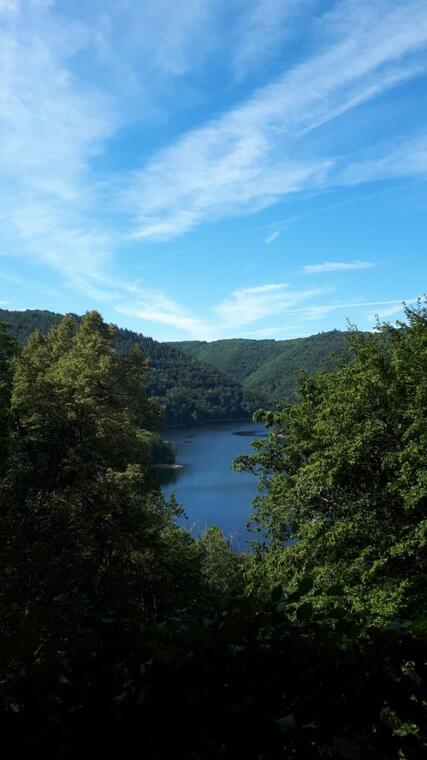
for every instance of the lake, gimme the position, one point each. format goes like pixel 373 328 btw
pixel 207 487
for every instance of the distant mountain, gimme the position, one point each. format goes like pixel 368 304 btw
pixel 193 392
pixel 269 368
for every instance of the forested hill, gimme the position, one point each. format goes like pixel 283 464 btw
pixel 192 391
pixel 269 368
pixel 117 624
pixel 222 380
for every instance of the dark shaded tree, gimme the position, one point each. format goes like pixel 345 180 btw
pixel 8 349
pixel 89 546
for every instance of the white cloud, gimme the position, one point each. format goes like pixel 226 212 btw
pixel 337 266
pixel 315 313
pixel 162 37
pixel 409 158
pixel 252 304
pixel 263 28
pixel 264 333
pixel 51 126
pixel 244 306
pixel 320 311
pixel 54 122
pixel 271 238
pixel 174 34
pixel 382 313
pixel 241 162
pixel 154 306
pixel 204 188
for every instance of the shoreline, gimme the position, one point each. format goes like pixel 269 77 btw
pixel 185 426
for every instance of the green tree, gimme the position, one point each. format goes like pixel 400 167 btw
pixel 88 543
pixel 221 567
pixel 190 391
pixel 343 476
pixel 79 405
pixel 8 349
pixel 120 635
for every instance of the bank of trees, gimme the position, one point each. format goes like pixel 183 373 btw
pixel 120 634
pixel 190 391
pixel 344 475
pixel 269 368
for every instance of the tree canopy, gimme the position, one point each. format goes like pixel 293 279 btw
pixel 192 392
pixel 269 368
pixel 343 474
pixel 86 534
pixel 8 349
pixel 120 634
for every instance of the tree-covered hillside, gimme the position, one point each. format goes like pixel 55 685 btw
pixel 269 367
pixel 222 380
pixel 192 391
pixel 121 635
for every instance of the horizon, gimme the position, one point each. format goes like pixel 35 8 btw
pixel 249 169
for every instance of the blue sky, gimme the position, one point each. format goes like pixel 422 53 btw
pixel 214 168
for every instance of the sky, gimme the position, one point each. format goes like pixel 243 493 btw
pixel 214 168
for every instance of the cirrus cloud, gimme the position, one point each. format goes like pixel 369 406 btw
pixel 337 266
pixel 244 160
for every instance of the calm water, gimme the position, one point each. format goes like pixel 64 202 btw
pixel 207 487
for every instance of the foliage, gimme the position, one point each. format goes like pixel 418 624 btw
pixel 120 635
pixel 221 567
pixel 86 536
pixel 269 368
pixel 343 475
pixel 233 679
pixel 7 350
pixel 192 392
pixel 79 406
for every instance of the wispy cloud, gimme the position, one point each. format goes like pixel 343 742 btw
pixel 161 37
pixel 384 312
pixel 262 29
pixel 54 122
pixel 67 87
pixel 271 238
pixel 249 306
pixel 51 126
pixel 242 161
pixel 407 158
pixel 316 312
pixel 264 333
pixel 153 306
pixel 337 266
pixel 242 307
pixel 252 304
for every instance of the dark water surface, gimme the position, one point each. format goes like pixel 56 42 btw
pixel 207 487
